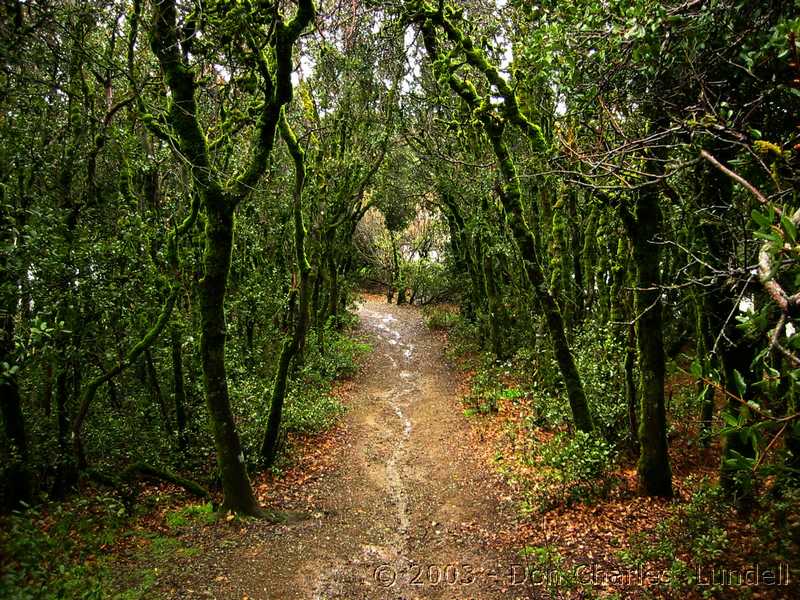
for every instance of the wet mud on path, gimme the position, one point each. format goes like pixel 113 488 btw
pixel 407 511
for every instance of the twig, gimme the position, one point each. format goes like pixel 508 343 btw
pixel 741 180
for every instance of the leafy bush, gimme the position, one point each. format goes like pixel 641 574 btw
pixel 575 468
pixel 429 280
pixel 54 554
pixel 778 526
pixel 695 531
pixel 310 409
pixel 488 387
pixel 340 358
pixel 697 534
pixel 438 316
pixel 309 406
pixel 600 358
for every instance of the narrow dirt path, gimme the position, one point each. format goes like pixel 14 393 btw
pixel 407 512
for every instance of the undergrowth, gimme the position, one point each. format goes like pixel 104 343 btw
pixel 576 467
pixel 706 547
pixel 57 551
pixel 701 541
pixel 65 550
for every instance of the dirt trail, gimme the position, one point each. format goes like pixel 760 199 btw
pixel 407 512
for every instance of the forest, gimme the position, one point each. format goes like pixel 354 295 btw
pixel 399 299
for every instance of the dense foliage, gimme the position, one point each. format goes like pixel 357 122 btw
pixel 191 194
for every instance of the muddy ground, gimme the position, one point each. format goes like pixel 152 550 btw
pixel 407 509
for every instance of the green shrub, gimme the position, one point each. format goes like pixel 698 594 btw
pixel 696 530
pixel 193 513
pixel 575 468
pixel 778 526
pixel 55 554
pixel 429 280
pixel 440 317
pixel 488 389
pixel 600 358
pixel 309 406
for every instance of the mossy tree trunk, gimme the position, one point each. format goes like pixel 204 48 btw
pixel 705 391
pixel 219 202
pixel 291 346
pixel 465 257
pixel 624 327
pixel 178 388
pixel 511 196
pixel 155 388
pixel 643 228
pixel 459 261
pixel 238 494
pixel 491 292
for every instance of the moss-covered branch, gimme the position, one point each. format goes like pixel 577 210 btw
pixel 277 94
pixel 91 389
pixel 148 471
pixel 476 57
pixel 291 346
pixel 182 109
pixel 511 197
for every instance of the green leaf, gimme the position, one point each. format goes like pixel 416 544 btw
pixel 741 386
pixel 772 237
pixel 760 218
pixel 729 419
pixel 696 369
pixel 789 228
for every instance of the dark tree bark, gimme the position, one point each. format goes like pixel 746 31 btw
pixel 292 345
pixel 630 388
pixel 654 472
pixel 17 484
pixel 178 389
pixel 155 388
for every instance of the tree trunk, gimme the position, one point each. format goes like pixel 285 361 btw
pixel 178 389
pixel 47 389
pixel 511 198
pixel 736 482
pixel 66 472
pixel 704 390
pixel 654 473
pixel 291 345
pixel 18 487
pixel 512 205
pixel 219 203
pixel 155 388
pixel 238 493
pixel 333 291
pixel 493 302
pixel 630 388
